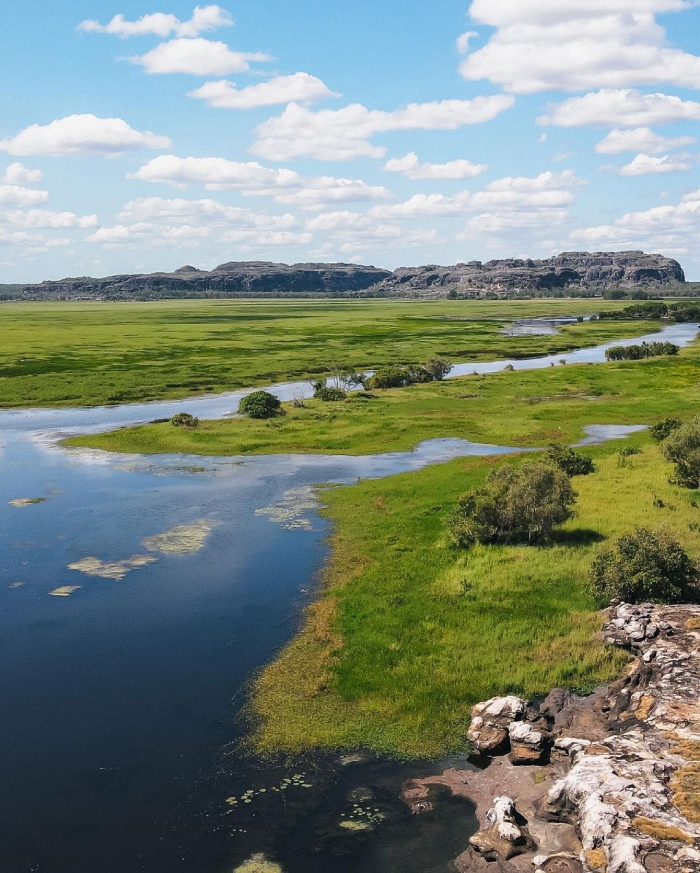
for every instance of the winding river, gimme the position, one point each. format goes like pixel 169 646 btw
pixel 137 597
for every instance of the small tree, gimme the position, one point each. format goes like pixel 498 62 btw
pixel 645 566
pixel 663 429
pixel 571 462
pixel 260 404
pixel 330 395
pixel 521 504
pixel 682 448
pixel 184 419
pixel 438 368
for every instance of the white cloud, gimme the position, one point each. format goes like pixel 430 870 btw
pixel 425 205
pixel 285 186
pixel 46 218
pixel 547 45
pixel 411 167
pixel 172 211
pixel 110 235
pixel 645 165
pixel 18 174
pixel 281 89
pixel 546 190
pixel 81 135
pixel 345 134
pixel 204 18
pixel 640 139
pixel 16 195
pixel 197 57
pixel 621 108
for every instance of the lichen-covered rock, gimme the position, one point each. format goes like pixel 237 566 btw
pixel 528 743
pixel 490 723
pixel 500 833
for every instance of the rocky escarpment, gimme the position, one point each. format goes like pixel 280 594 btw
pixel 600 270
pixel 227 280
pixel 609 782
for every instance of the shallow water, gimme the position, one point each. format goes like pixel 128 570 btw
pixel 136 600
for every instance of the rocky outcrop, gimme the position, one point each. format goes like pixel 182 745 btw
pixel 510 724
pixel 622 791
pixel 227 280
pixel 599 270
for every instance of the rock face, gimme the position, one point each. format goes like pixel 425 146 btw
pixel 596 271
pixel 230 279
pixel 600 270
pixel 622 791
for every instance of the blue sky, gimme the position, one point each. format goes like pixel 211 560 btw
pixel 139 136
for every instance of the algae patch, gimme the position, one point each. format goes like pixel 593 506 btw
pixel 111 569
pixel 184 539
pixel 258 864
pixel 21 502
pixel 65 590
pixel 289 513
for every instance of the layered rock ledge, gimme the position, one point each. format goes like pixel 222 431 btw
pixel 609 782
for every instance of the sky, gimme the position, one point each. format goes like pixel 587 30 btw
pixel 142 135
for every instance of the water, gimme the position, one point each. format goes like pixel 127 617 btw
pixel 119 696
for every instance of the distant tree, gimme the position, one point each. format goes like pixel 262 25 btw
pixel 438 368
pixel 517 504
pixel 682 448
pixel 644 566
pixel 260 404
pixel 571 462
pixel 184 419
pixel 663 429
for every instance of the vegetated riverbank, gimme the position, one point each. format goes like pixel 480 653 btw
pixel 84 354
pixel 528 408
pixel 410 632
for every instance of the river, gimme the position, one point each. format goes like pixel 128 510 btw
pixel 137 597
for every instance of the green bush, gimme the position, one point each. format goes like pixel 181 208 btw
pixel 663 429
pixel 260 404
pixel 571 462
pixel 388 377
pixel 184 419
pixel 330 395
pixel 517 504
pixel 682 448
pixel 438 368
pixel 644 566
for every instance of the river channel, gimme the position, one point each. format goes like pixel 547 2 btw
pixel 137 597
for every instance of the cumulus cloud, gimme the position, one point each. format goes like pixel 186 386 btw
pixel 46 218
pixel 16 195
pixel 196 57
pixel 421 205
pixel 345 134
pixel 18 174
pixel 411 167
pixel 558 45
pixel 640 139
pixel 661 228
pixel 621 108
pixel 204 18
pixel 645 165
pixel 81 135
pixel 300 87
pixel 285 186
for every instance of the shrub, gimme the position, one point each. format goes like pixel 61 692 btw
pixel 184 419
pixel 388 377
pixel 640 352
pixel 571 462
pixel 663 429
pixel 517 504
pixel 260 404
pixel 682 448
pixel 644 566
pixel 330 395
pixel 438 368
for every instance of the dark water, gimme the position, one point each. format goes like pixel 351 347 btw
pixel 119 703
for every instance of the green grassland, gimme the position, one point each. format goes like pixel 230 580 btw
pixel 527 408
pixel 93 353
pixel 409 632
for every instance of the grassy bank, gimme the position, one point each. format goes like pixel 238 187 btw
pixel 519 408
pixel 93 353
pixel 410 632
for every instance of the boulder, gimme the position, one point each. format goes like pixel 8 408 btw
pixel 528 743
pixel 500 834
